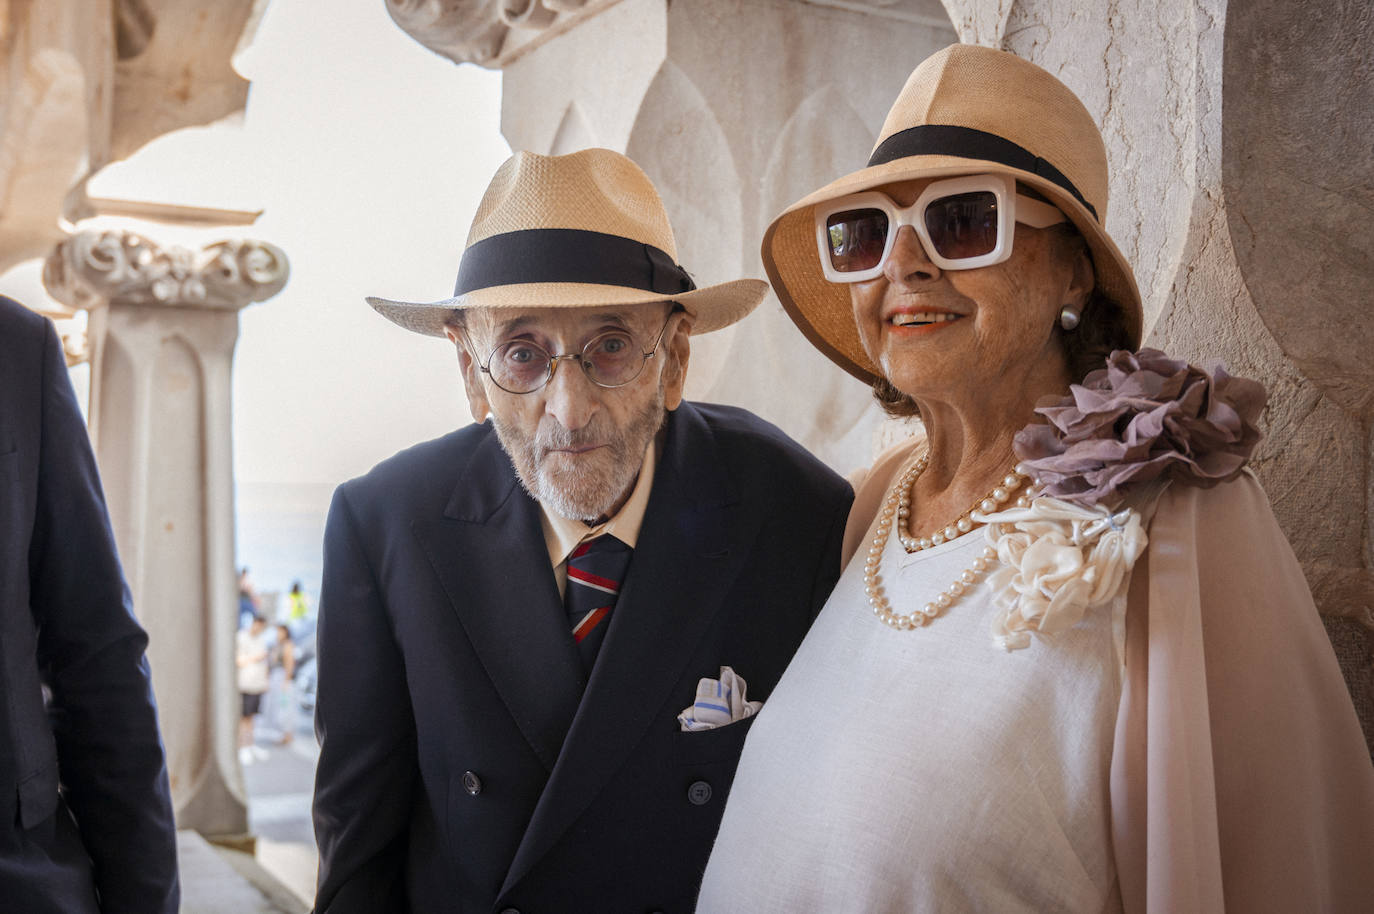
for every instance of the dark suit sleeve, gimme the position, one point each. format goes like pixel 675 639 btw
pixel 828 568
pixel 90 651
pixel 366 776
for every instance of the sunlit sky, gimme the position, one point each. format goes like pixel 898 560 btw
pixel 368 154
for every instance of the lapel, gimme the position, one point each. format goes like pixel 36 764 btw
pixel 487 550
pixel 694 541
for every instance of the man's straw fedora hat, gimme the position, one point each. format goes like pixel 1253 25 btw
pixel 965 110
pixel 574 231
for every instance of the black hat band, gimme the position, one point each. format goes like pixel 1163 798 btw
pixel 968 143
pixel 569 255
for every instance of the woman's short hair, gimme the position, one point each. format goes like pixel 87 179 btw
pixel 1101 331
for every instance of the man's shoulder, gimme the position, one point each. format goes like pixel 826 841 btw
pixel 15 318
pixel 748 440
pixel 736 426
pixel 423 468
pixel 22 335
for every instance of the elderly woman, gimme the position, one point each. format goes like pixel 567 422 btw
pixel 1073 664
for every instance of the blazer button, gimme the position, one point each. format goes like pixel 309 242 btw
pixel 473 785
pixel 510 911
pixel 699 794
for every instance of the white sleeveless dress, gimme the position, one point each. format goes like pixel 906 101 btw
pixel 927 770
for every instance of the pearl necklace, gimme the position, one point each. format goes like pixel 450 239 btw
pixel 895 512
pixel 993 501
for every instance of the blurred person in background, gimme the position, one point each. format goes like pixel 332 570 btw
pixel 250 656
pixel 248 599
pixel 299 605
pixel 281 687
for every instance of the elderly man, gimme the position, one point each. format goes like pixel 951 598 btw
pixel 85 814
pixel 536 633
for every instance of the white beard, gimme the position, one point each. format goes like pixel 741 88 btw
pixel 596 482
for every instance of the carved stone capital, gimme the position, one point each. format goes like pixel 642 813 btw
pixel 489 33
pixel 93 268
pixel 921 12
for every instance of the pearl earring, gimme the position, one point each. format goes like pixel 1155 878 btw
pixel 1068 317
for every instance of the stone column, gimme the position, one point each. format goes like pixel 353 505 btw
pixel 163 324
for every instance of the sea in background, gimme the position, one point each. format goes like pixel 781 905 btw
pixel 280 536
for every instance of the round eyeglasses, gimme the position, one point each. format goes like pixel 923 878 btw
pixel 611 359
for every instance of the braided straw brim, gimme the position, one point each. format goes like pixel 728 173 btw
pixel 595 190
pixel 711 308
pixel 967 86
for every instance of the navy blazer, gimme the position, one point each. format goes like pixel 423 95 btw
pixel 466 763
pixel 104 840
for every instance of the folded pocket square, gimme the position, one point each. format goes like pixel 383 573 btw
pixel 719 702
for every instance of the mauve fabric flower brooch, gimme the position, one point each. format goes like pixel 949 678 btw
pixel 1143 417
pixel 1108 449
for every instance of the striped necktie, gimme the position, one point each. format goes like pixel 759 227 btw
pixel 595 570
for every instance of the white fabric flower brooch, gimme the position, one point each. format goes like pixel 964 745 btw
pixel 1057 559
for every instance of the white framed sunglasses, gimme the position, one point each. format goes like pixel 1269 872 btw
pixel 963 223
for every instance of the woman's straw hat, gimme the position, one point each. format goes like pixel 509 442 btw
pixel 574 231
pixel 965 110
